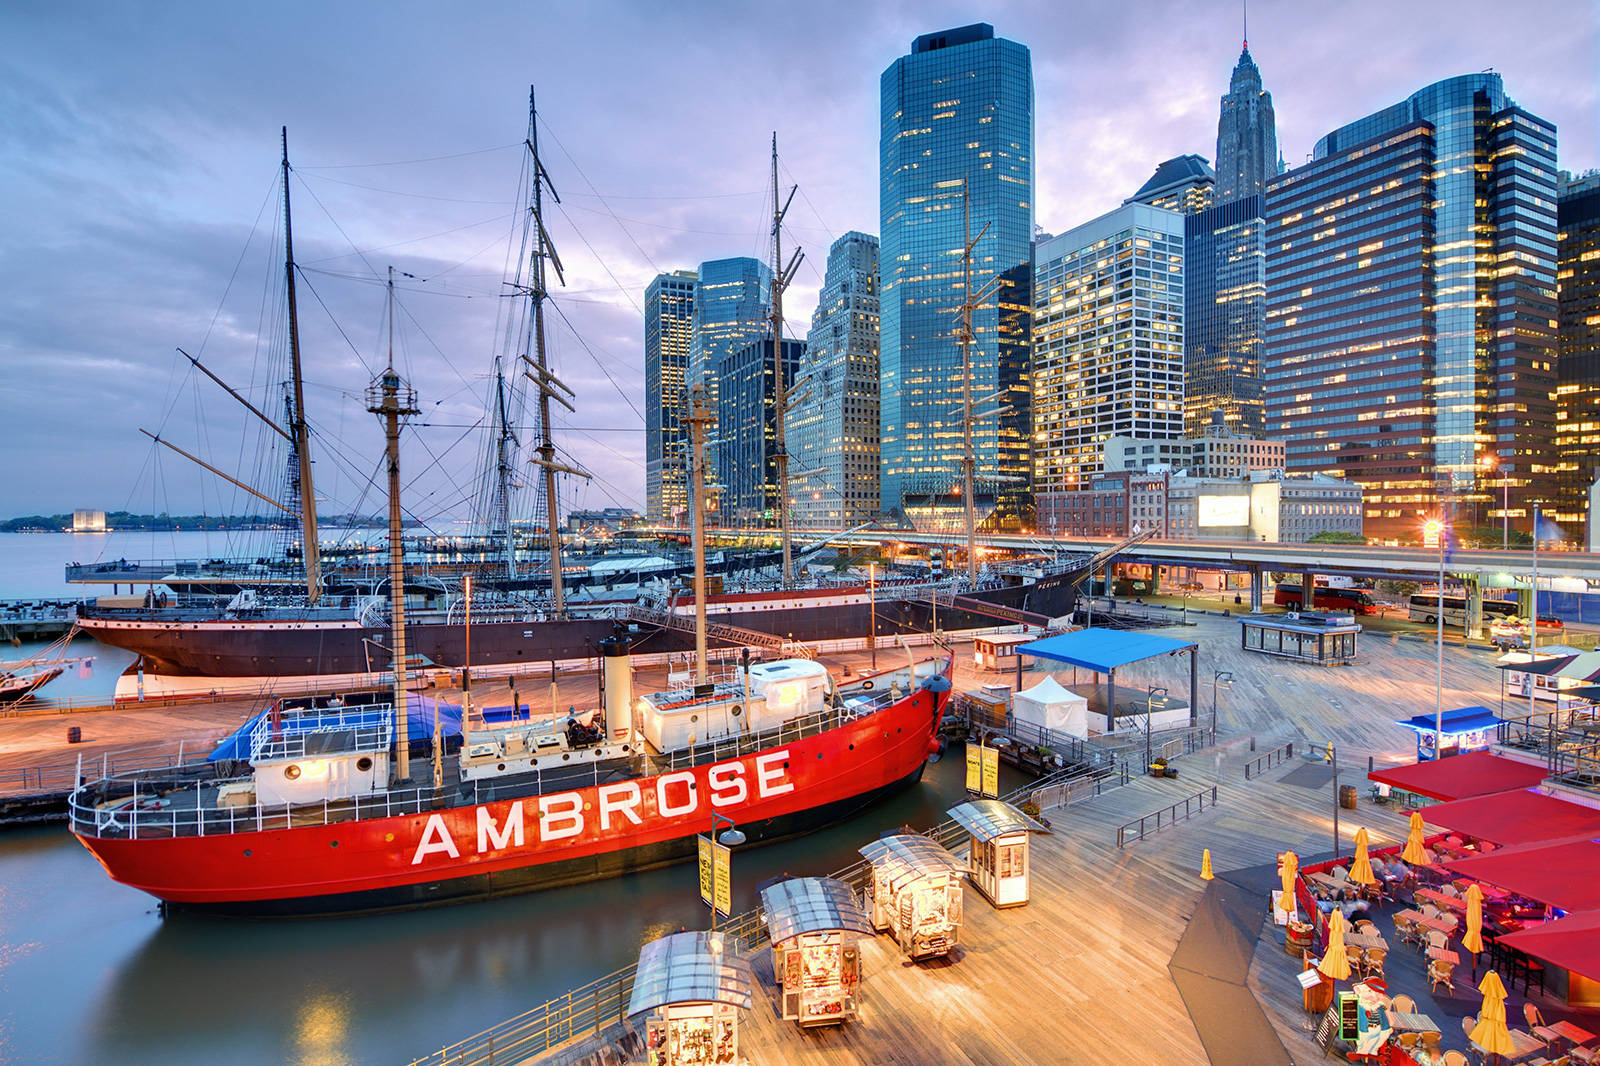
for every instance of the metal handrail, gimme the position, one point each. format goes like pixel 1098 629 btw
pixel 590 1008
pixel 1167 815
pixel 1269 760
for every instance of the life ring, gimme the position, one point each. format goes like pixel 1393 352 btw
pixel 866 684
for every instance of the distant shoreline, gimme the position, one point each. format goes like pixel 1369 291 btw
pixel 122 522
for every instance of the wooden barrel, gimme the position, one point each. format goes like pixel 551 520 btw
pixel 1297 939
pixel 74 734
pixel 1347 797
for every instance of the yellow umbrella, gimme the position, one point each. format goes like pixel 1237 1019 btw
pixel 1205 866
pixel 1361 869
pixel 1491 1033
pixel 1334 962
pixel 1414 853
pixel 1287 869
pixel 1473 941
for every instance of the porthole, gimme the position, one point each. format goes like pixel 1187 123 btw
pixel 248 853
pixel 364 763
pixel 333 843
pixel 694 718
pixel 502 767
pixel 737 710
pixel 292 771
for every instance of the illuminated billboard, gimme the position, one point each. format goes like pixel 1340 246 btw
pixel 1223 511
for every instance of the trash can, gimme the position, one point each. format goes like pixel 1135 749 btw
pixel 1347 797
pixel 74 734
pixel 1297 939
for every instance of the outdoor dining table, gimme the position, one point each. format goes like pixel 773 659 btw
pixel 1433 895
pixel 1523 1044
pixel 1567 1031
pixel 1366 940
pixel 1444 953
pixel 1324 881
pixel 1403 1022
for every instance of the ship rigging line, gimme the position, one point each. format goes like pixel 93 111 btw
pixel 409 162
pixel 597 196
pixel 414 195
pixel 597 362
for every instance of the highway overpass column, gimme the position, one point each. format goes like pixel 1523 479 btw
pixel 1256 575
pixel 1194 685
pixel 1308 590
pixel 1111 700
pixel 1525 602
pixel 1474 606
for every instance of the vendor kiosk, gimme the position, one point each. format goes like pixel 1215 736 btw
pixel 999 854
pixel 915 893
pixel 690 985
pixel 814 923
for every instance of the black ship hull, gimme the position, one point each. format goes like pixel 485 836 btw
pixel 242 648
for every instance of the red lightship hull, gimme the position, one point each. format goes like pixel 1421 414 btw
pixel 475 850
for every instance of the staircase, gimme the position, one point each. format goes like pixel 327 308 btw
pixel 732 634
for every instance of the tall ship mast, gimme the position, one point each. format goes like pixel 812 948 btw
pixel 310 545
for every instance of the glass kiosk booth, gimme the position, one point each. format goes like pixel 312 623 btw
pixel 814 923
pixel 915 893
pixel 692 985
pixel 999 854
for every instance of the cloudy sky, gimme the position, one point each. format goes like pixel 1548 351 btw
pixel 141 153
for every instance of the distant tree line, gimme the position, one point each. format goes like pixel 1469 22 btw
pixel 164 523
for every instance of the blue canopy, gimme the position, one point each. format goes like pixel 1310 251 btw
pixel 1103 650
pixel 419 722
pixel 1455 722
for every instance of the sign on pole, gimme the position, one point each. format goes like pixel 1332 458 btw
pixel 722 879
pixel 991 771
pixel 974 767
pixel 705 870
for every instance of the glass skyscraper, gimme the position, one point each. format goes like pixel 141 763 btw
pixel 747 431
pixel 957 119
pixel 1185 184
pixel 1225 289
pixel 1410 302
pixel 1578 370
pixel 833 431
pixel 732 307
pixel 668 335
pixel 1108 345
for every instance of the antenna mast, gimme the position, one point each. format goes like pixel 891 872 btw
pixel 310 548
pixel 781 277
pixel 391 398
pixel 539 370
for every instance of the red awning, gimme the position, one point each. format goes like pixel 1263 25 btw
pixel 1562 873
pixel 1477 773
pixel 1522 816
pixel 1572 942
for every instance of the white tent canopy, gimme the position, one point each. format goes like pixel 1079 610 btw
pixel 1049 705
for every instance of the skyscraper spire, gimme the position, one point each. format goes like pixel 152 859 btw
pixel 1246 5
pixel 1247 139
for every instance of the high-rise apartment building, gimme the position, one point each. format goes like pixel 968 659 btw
pixel 747 429
pixel 1410 301
pixel 668 336
pixel 1578 368
pixel 832 432
pixel 1108 342
pixel 1185 184
pixel 732 307
pixel 1247 134
pixel 956 141
pixel 1225 286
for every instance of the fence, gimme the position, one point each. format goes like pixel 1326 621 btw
pixel 590 1009
pixel 1166 816
pixel 63 776
pixel 1268 761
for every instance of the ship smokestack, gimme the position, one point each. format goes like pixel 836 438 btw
pixel 616 682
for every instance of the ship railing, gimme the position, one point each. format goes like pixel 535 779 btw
pixel 368 727
pixel 331 608
pixel 588 1010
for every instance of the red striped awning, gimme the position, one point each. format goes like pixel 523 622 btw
pixel 1477 773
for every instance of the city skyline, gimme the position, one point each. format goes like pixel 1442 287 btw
pixel 139 189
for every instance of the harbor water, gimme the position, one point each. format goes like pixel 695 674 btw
pixel 91 973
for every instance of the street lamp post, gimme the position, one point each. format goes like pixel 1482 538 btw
pixel 730 837
pixel 1435 528
pixel 1225 678
pixel 1149 708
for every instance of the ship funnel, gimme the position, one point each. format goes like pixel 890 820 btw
pixel 616 684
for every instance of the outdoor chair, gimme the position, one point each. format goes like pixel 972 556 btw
pixel 1365 925
pixel 1439 973
pixel 1437 939
pixel 1407 1041
pixel 1430 1045
pixel 1530 1013
pixel 1455 1058
pixel 1372 962
pixel 1404 1004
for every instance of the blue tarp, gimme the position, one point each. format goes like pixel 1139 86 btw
pixel 1457 721
pixel 419 719
pixel 1103 650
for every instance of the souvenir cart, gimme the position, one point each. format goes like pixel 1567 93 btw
pixel 999 855
pixel 814 923
pixel 915 893
pixel 692 986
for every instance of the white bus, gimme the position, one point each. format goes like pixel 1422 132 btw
pixel 1424 607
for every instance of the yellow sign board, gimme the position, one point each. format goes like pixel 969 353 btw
pixel 705 869
pixel 991 771
pixel 722 879
pixel 974 767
